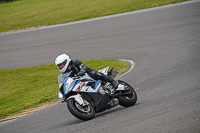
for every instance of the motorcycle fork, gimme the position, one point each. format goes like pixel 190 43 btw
pixel 83 99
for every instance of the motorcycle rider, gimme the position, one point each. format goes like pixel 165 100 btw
pixel 65 64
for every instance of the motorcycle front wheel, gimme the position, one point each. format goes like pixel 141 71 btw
pixel 84 113
pixel 129 99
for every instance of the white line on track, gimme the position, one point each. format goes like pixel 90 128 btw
pixel 137 89
pixel 132 65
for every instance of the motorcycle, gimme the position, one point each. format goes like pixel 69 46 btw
pixel 85 96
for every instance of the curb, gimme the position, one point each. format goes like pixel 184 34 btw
pixel 28 111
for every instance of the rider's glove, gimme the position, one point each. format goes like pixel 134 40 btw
pixel 81 73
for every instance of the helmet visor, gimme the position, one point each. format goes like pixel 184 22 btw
pixel 61 65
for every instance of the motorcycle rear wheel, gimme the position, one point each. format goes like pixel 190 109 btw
pixel 83 113
pixel 128 99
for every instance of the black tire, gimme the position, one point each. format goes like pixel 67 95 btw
pixel 79 112
pixel 129 99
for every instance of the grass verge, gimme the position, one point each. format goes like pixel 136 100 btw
pixel 26 88
pixel 32 13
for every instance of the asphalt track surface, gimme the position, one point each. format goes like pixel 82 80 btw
pixel 163 42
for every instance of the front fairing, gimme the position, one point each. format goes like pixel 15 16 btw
pixel 87 86
pixel 61 83
pixel 68 84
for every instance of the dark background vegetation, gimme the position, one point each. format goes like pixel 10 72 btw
pixel 6 0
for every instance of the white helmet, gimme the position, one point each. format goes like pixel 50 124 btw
pixel 62 62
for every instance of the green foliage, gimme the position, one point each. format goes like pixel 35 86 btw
pixel 32 13
pixel 26 88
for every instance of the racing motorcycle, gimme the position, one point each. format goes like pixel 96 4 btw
pixel 85 96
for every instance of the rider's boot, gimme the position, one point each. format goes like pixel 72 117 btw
pixel 113 82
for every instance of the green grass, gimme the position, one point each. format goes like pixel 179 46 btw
pixel 32 13
pixel 26 88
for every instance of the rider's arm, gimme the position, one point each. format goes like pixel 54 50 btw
pixel 83 70
pixel 82 67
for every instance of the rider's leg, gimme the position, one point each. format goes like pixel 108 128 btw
pixel 100 76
